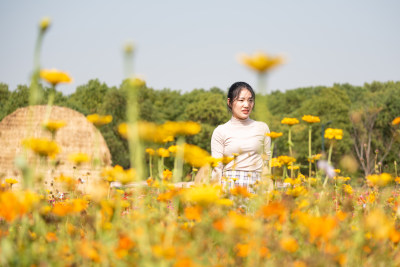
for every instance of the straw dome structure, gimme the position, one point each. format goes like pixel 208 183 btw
pixel 78 135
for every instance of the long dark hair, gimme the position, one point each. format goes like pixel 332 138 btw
pixel 234 92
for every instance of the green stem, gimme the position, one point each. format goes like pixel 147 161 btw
pixel 290 140
pixel 329 162
pixel 309 150
pixel 178 168
pixel 136 156
pixel 151 166
pixel 269 160
pixel 34 96
pixel 395 168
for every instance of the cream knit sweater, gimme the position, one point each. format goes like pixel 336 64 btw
pixel 244 137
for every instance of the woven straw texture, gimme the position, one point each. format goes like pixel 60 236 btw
pixel 79 135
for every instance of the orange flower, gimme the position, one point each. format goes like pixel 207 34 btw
pixel 396 121
pixel 289 244
pixel 274 135
pixel 240 191
pixel 242 250
pixel 273 210
pixel 193 213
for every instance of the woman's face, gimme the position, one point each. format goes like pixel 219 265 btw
pixel 242 105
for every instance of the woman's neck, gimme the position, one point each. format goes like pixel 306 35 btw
pixel 236 121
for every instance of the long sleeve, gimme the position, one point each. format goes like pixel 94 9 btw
pixel 217 151
pixel 267 148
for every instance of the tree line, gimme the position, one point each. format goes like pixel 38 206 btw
pixel 363 112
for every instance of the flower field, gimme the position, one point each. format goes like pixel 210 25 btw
pixel 301 214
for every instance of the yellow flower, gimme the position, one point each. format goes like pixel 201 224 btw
pixel 286 159
pixel 137 82
pixel 167 174
pixel 290 121
pixel 348 189
pixel 54 76
pixel 289 244
pixel 275 162
pixel 99 120
pixel 118 174
pixel 195 156
pixel 261 62
pixel 331 133
pixel 162 152
pixel 310 119
pixel 11 181
pixel 150 151
pixel 44 23
pixel 315 157
pixel 78 158
pixel 42 146
pixel 396 121
pixel 296 191
pixel 274 135
pixel 202 195
pixel 379 224
pixel 53 126
pixel 293 167
pixel 379 179
pixel 225 160
pixel 173 128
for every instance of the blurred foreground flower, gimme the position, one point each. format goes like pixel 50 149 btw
pixel 42 146
pixel 379 179
pixel 11 181
pixel 202 195
pixel 195 156
pixel 396 121
pixel 72 206
pixel 260 62
pixel 54 76
pixel 289 244
pixel 44 23
pixel 118 174
pixel 78 158
pixel 53 125
pixel 99 120
pixel 163 133
pixel 15 204
pixel 327 168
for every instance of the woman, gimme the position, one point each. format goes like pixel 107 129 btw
pixel 242 138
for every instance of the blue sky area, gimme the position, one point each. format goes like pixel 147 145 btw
pixel 183 45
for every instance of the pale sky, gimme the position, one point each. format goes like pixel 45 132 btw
pixel 183 45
